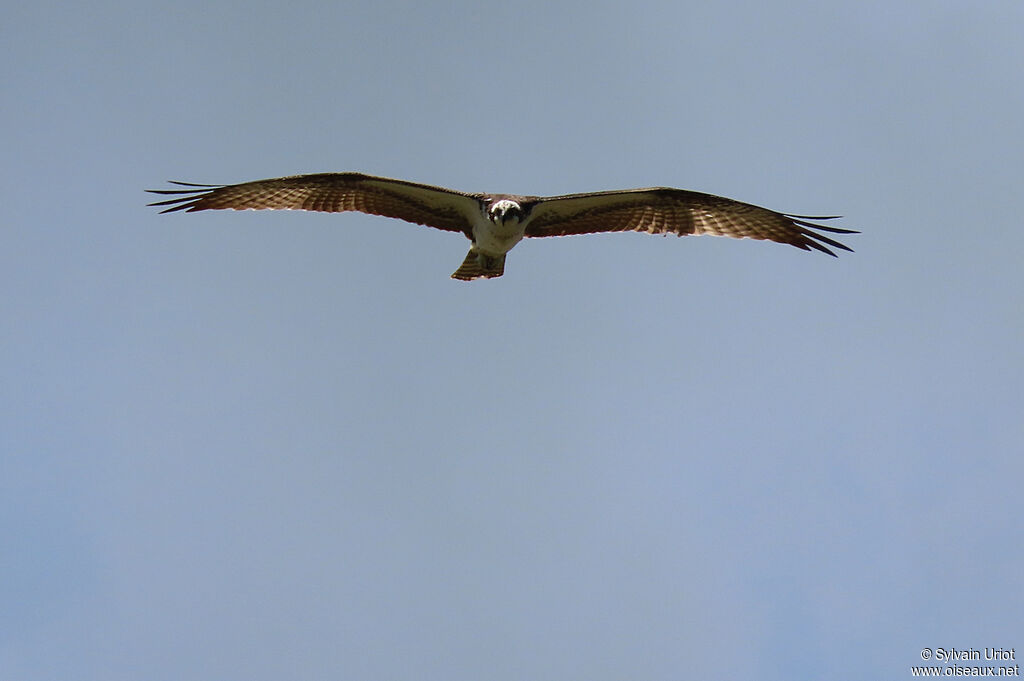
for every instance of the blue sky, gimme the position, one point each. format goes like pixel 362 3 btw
pixel 287 445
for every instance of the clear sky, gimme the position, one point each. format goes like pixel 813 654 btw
pixel 279 445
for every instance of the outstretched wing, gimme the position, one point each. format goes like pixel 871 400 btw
pixel 332 193
pixel 661 210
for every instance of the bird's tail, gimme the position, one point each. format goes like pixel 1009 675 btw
pixel 480 266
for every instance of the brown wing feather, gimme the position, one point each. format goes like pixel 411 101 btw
pixel 662 210
pixel 332 193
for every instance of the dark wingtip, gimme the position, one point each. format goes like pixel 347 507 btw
pixel 184 199
pixel 802 221
pixel 201 187
pixel 172 209
pixel 813 217
pixel 812 238
pixel 809 244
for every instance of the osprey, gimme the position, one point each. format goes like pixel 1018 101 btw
pixel 494 223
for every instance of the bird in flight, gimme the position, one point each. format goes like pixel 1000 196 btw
pixel 494 223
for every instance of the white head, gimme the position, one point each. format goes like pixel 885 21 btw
pixel 505 210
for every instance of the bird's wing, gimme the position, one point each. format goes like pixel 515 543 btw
pixel 332 193
pixel 661 210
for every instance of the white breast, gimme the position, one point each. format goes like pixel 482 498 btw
pixel 497 237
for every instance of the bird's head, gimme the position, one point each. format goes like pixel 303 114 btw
pixel 504 210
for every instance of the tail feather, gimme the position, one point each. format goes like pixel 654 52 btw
pixel 480 266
